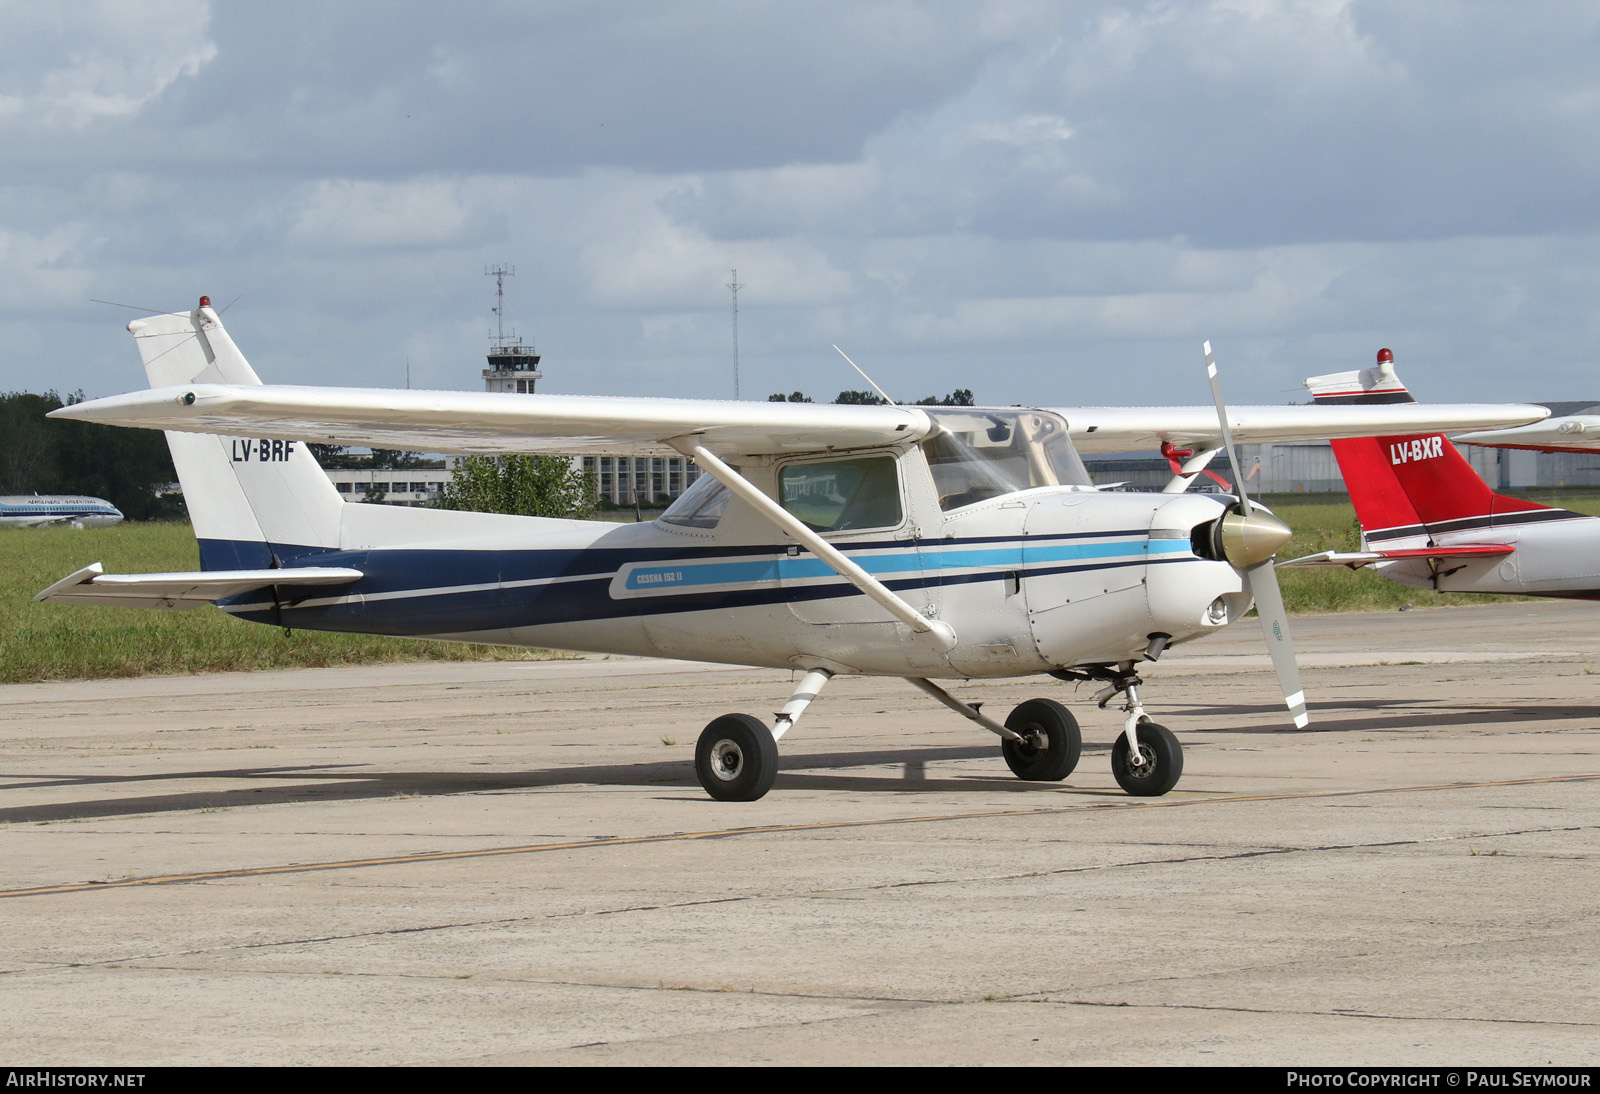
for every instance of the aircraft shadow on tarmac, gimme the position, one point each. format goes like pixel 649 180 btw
pixel 799 771
pixel 336 782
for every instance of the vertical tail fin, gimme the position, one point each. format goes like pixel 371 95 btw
pixel 248 499
pixel 1408 490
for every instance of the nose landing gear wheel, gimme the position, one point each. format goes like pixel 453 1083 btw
pixel 736 758
pixel 1163 762
pixel 1051 742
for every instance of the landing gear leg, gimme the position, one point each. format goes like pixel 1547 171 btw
pixel 1040 740
pixel 1146 760
pixel 810 686
pixel 736 758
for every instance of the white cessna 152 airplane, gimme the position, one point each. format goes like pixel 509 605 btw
pixel 887 540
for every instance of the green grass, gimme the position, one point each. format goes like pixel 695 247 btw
pixel 62 642
pixel 1329 524
pixel 67 642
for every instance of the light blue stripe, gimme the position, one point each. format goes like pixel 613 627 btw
pixel 910 560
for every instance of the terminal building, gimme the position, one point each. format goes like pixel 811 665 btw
pixel 393 486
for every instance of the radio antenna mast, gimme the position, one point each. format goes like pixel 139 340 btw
pixel 500 273
pixel 734 286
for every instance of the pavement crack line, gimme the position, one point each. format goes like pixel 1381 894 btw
pixel 151 964
pixel 1125 983
pixel 1371 1015
pixel 507 921
pixel 765 830
pixel 1264 852
pixel 421 928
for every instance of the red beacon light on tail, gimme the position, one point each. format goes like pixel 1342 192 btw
pixel 1385 357
pixel 205 302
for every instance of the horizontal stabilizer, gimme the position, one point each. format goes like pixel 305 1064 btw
pixel 92 585
pixel 1357 559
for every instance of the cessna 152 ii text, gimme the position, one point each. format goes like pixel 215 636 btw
pixel 925 543
pixel 1428 519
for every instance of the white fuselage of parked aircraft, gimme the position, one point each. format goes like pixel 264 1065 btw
pixel 927 543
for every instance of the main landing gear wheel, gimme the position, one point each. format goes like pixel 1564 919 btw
pixel 1050 745
pixel 1163 762
pixel 736 758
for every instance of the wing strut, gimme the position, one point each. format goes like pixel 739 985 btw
pixel 938 631
pixel 966 710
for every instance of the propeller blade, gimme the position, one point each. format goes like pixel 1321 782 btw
pixel 1227 434
pixel 1263 583
pixel 1260 578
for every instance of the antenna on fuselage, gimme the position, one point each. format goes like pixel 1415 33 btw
pixel 882 394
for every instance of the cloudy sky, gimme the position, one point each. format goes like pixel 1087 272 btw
pixel 1049 203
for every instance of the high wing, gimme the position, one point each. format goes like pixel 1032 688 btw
pixel 1130 429
pixel 223 396
pixel 496 424
pixel 484 422
pixel 92 585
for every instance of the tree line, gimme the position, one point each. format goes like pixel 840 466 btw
pixel 961 396
pixel 126 467
pixel 123 466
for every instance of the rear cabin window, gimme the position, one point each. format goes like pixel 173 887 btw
pixel 842 495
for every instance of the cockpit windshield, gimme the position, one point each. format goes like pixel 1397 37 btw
pixel 977 455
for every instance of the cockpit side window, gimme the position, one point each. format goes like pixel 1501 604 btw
pixel 842 495
pixel 963 477
pixel 700 506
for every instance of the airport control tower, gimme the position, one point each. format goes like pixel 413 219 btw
pixel 513 366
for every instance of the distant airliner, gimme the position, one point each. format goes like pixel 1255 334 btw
pixel 32 510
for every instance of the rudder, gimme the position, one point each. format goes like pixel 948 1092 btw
pixel 247 498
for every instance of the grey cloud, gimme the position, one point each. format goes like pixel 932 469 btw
pixel 553 88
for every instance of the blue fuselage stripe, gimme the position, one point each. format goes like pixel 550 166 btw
pixel 407 591
pixel 906 560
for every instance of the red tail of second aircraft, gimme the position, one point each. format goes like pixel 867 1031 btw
pixel 1417 492
pixel 1428 520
